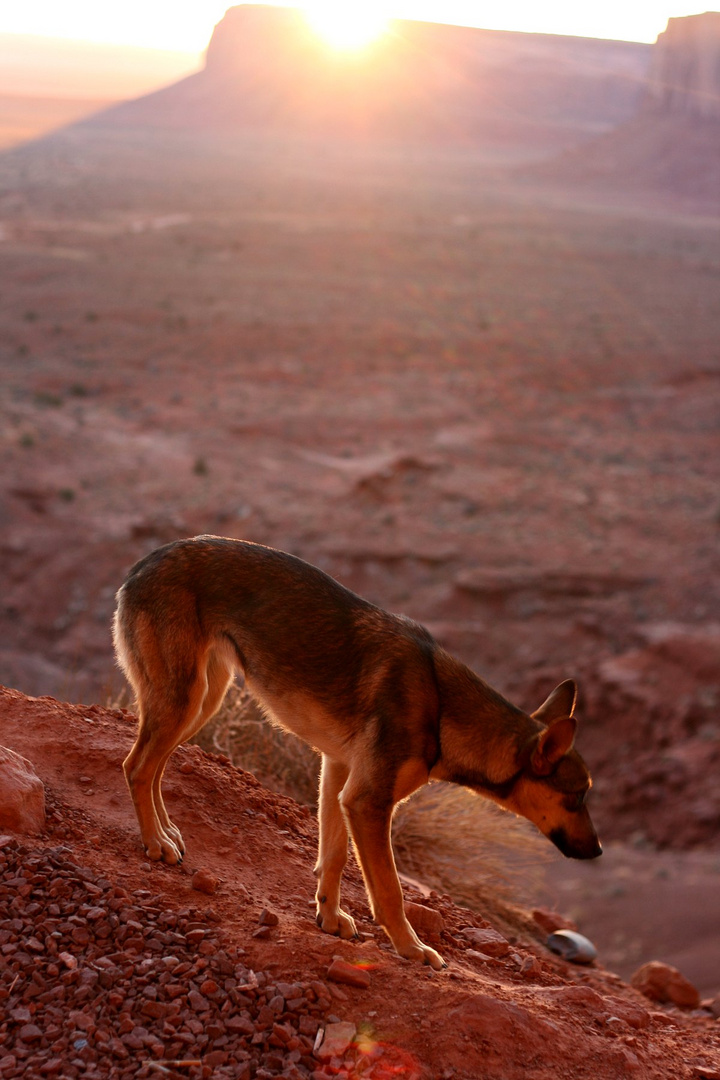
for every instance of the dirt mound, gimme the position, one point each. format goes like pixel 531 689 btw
pixel 118 967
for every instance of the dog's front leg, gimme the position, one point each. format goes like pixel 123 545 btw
pixel 370 823
pixel 332 852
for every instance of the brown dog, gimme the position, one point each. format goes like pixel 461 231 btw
pixel 386 707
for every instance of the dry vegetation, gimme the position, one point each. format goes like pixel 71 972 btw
pixel 445 837
pixel 277 758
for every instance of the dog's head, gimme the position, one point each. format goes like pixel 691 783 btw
pixel 554 781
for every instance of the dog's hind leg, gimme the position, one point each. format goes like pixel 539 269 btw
pixel 332 852
pixel 155 741
pixel 218 675
pixel 171 710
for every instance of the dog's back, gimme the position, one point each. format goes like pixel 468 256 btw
pixel 294 632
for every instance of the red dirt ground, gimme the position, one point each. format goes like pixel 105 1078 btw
pixel 479 1019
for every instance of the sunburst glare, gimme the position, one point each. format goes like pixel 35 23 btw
pixel 346 27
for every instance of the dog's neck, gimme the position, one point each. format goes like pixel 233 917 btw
pixel 481 735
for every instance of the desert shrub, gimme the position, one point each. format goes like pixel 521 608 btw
pixel 48 398
pixel 459 843
pixel 278 759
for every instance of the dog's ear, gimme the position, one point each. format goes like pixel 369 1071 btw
pixel 552 744
pixel 561 726
pixel 559 705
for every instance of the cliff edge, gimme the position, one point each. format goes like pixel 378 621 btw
pixel 671 147
pixel 684 75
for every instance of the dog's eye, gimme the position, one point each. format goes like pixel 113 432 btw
pixel 576 801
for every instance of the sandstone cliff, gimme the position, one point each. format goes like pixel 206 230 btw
pixel 685 70
pixel 266 70
pixel 672 145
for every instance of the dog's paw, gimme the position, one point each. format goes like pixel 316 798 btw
pixel 163 849
pixel 425 955
pixel 434 959
pixel 175 836
pixel 338 923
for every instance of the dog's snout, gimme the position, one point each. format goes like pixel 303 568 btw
pixel 594 852
pixel 573 848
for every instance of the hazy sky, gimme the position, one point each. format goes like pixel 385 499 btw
pixel 187 24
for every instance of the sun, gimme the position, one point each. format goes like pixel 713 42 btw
pixel 344 26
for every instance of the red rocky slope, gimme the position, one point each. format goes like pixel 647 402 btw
pixel 113 966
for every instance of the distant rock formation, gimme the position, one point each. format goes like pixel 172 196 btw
pixel 258 36
pixel 267 70
pixel 672 144
pixel 685 69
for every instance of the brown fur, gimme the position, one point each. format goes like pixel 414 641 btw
pixel 386 707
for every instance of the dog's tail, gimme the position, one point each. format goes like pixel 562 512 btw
pixel 126 653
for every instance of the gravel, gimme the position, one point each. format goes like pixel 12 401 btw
pixel 99 982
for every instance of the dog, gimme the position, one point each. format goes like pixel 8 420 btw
pixel 386 707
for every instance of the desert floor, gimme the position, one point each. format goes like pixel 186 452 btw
pixel 489 405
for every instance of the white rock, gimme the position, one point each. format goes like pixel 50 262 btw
pixel 572 946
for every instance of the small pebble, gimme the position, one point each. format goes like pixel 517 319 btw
pixel 204 881
pixel 488 941
pixel 572 946
pixel 426 921
pixel 268 918
pixel 340 971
